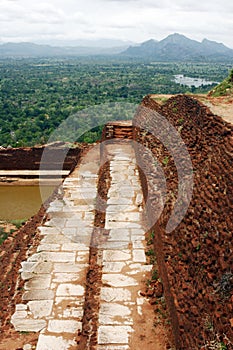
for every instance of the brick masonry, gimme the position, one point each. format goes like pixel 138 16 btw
pixel 195 260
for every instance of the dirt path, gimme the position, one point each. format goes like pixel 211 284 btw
pixel 221 106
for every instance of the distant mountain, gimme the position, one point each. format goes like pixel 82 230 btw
pixel 99 43
pixel 177 47
pixel 36 50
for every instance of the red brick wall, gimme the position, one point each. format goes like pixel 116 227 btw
pixel 196 259
pixel 29 158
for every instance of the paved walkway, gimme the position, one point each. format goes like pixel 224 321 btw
pixel 55 275
pixel 124 253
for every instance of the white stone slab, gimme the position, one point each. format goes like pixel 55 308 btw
pixel 78 301
pixel 121 224
pixel 117 245
pixel 28 266
pixel 19 314
pixel 121 233
pixel 138 244
pixel 49 342
pixel 115 266
pixel 83 239
pixel 39 282
pixel 44 230
pixel 55 238
pixel 43 267
pixel 48 247
pixel 75 222
pixel 120 208
pixel 78 231
pixel 119 236
pixel 41 308
pixel 124 216
pixel 75 247
pixel 139 198
pixel 68 267
pixel 115 255
pixel 53 257
pixel 138 231
pixel 140 267
pixel 126 192
pixel 38 295
pixel 68 289
pixel 73 312
pixel 65 277
pixel 28 324
pixel 64 326
pixel 20 307
pixel 115 294
pixel 113 313
pixel 119 201
pixel 139 255
pixel 83 257
pixel 114 334
pixel 118 280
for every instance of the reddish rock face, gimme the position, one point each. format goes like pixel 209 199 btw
pixel 196 259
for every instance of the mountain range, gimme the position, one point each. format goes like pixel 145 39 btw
pixel 37 50
pixel 175 47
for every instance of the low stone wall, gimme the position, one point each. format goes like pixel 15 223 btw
pixel 30 158
pixel 196 259
pixel 118 130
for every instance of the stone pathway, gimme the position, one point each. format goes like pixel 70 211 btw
pixel 55 276
pixel 124 252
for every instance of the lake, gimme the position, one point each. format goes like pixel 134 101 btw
pixel 21 202
pixel 188 81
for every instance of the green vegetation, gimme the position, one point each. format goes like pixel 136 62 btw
pixel 5 233
pixel 18 223
pixel 165 160
pixel 150 252
pixel 154 275
pixel 150 239
pixel 225 88
pixel 36 95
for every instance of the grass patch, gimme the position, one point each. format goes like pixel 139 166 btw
pixel 165 160
pixel 18 223
pixel 150 239
pixel 150 252
pixel 3 235
pixel 225 88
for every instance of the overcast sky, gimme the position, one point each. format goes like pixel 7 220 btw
pixel 134 20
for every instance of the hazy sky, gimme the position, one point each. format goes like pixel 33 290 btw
pixel 135 20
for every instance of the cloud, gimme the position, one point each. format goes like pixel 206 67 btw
pixel 135 20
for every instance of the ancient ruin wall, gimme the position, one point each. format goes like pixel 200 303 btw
pixel 195 260
pixel 29 158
